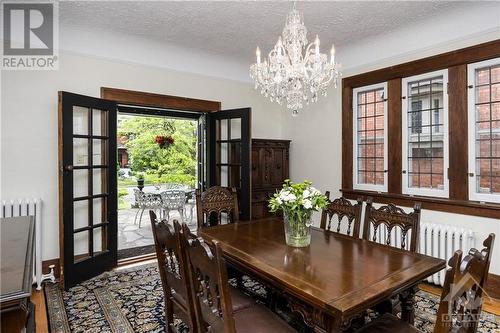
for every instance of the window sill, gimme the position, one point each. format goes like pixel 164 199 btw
pixel 474 208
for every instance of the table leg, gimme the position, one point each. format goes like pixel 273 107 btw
pixel 408 305
pixel 333 324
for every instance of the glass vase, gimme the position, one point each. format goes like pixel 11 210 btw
pixel 297 228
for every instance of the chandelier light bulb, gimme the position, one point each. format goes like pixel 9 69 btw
pixel 295 72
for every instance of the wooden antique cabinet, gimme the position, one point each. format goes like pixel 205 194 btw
pixel 270 168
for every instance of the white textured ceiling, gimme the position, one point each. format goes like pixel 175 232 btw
pixel 235 28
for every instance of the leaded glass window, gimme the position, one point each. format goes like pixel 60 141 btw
pixel 484 130
pixel 425 137
pixel 370 146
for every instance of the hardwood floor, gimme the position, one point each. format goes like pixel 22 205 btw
pixel 490 305
pixel 42 323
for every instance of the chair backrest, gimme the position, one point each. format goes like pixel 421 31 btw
pixel 173 199
pixel 208 275
pixel 215 201
pixel 462 296
pixel 138 196
pixel 173 269
pixel 175 186
pixel 379 225
pixel 151 200
pixel 345 211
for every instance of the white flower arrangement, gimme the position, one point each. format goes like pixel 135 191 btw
pixel 297 197
pixel 298 202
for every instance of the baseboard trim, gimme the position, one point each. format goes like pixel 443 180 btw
pixel 55 262
pixel 122 262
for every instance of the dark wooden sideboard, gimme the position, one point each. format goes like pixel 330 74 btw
pixel 270 167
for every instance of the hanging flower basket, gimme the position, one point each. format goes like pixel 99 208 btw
pixel 164 141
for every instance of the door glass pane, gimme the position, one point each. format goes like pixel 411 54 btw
pixel 99 151
pixel 224 152
pixel 235 176
pixel 81 246
pixel 223 129
pixel 235 152
pixel 99 181
pixel 81 214
pixel 80 120
pixel 99 122
pixel 98 241
pixel 80 183
pixel 235 128
pixel 99 210
pixel 224 176
pixel 80 152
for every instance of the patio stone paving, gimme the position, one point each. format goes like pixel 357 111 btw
pixel 130 235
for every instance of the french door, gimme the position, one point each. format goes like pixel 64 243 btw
pixel 88 195
pixel 229 148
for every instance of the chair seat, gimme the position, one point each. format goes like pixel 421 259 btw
pixel 388 324
pixel 259 319
pixel 240 300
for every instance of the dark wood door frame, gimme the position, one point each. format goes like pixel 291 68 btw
pixel 133 97
pixel 130 98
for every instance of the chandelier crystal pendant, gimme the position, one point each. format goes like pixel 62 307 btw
pixel 290 77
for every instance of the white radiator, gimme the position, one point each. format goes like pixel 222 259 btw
pixel 28 207
pixel 441 241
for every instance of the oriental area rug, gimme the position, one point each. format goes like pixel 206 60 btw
pixel 131 300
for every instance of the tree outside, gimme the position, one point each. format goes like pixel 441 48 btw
pixel 162 150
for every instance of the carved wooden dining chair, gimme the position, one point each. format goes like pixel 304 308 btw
pixel 213 203
pixel 380 225
pixel 213 298
pixel 461 299
pixel 344 210
pixel 174 274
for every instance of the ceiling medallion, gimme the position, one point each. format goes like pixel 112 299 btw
pixel 289 77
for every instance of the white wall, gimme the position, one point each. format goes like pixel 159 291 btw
pixel 29 119
pixel 316 134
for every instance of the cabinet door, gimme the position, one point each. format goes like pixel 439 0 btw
pixel 256 167
pixel 268 165
pixel 278 167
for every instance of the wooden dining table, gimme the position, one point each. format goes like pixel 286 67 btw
pixel 330 282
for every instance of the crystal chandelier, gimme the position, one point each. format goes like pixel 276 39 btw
pixel 287 75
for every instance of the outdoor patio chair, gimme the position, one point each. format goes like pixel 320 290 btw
pixel 145 201
pixel 190 204
pixel 173 200
pixel 175 186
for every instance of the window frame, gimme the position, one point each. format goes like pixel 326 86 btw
pixel 356 185
pixel 441 193
pixel 471 119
